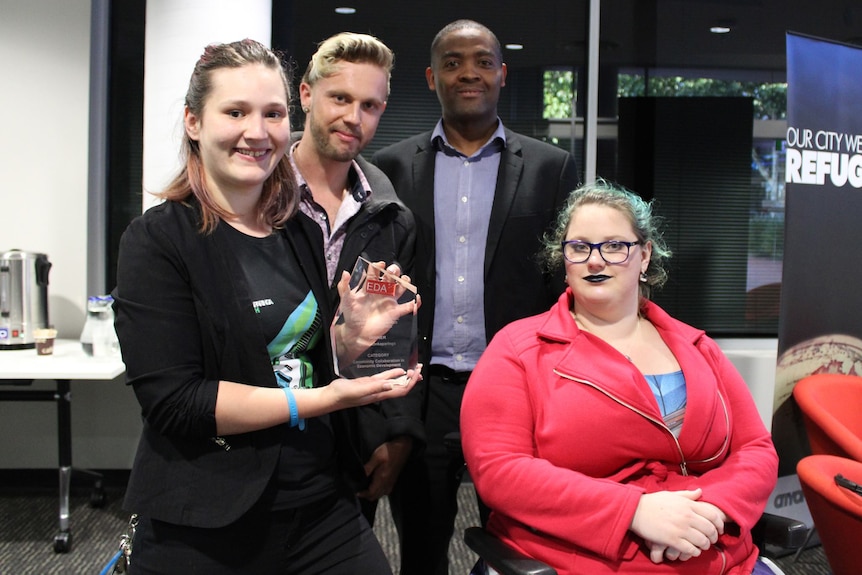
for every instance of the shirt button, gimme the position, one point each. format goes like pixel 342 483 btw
pixel 459 357
pixel 460 319
pixel 462 239
pixel 463 199
pixel 460 279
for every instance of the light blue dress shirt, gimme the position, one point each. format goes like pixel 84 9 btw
pixel 463 195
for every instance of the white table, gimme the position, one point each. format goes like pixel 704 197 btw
pixel 19 368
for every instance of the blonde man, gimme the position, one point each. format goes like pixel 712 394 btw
pixel 343 94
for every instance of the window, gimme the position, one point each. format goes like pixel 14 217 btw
pixel 726 271
pixel 559 94
pixel 769 98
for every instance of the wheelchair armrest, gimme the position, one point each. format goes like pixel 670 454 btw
pixel 501 557
pixel 780 532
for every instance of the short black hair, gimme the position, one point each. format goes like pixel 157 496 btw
pixel 465 24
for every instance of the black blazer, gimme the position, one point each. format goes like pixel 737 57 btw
pixel 382 230
pixel 533 183
pixel 184 323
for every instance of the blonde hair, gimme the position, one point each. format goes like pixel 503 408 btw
pixel 348 47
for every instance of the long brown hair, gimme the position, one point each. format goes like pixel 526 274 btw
pixel 279 198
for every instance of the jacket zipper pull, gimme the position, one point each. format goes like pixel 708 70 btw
pixel 221 442
pixel 684 468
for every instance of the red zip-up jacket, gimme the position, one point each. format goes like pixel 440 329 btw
pixel 562 435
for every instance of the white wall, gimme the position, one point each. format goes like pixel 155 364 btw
pixel 177 31
pixel 45 47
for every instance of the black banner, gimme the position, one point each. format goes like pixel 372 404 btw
pixel 820 329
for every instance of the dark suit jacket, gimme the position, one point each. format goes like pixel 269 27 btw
pixel 383 230
pixel 184 323
pixel 533 183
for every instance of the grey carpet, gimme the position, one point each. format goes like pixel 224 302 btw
pixel 28 523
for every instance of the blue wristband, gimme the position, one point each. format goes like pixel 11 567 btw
pixel 295 421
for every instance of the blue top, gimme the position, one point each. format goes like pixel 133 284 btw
pixel 670 394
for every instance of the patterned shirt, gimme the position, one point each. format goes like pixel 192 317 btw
pixel 333 232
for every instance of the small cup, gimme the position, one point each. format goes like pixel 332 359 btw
pixel 44 340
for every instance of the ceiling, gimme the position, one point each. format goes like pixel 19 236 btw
pixel 663 34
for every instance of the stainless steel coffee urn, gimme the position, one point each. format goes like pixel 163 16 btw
pixel 23 297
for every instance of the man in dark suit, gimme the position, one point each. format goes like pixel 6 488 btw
pixel 482 196
pixel 343 94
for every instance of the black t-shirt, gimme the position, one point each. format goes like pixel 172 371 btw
pixel 292 325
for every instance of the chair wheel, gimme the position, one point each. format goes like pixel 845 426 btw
pixel 63 542
pixel 98 498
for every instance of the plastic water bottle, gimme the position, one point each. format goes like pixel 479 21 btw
pixel 98 338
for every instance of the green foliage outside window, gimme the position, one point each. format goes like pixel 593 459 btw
pixel 770 100
pixel 766 236
pixel 559 94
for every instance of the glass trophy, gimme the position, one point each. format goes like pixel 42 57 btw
pixel 375 325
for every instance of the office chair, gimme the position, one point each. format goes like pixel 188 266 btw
pixel 773 530
pixel 836 507
pixel 830 404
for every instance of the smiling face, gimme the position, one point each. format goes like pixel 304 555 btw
pixel 243 130
pixel 467 73
pixel 344 109
pixel 596 284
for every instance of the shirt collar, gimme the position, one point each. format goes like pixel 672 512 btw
pixel 441 143
pixel 360 189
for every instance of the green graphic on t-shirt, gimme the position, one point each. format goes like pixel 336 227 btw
pixel 300 333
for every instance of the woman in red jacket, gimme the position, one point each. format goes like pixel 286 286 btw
pixel 607 436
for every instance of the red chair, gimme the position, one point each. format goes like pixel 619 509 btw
pixel 831 405
pixel 836 510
